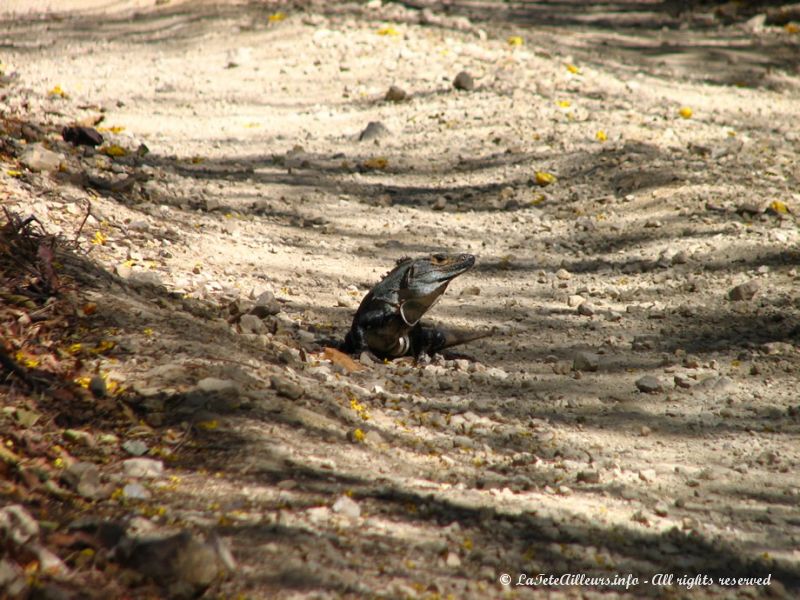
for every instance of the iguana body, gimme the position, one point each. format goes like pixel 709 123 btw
pixel 387 321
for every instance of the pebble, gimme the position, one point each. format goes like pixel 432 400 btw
pixel 586 361
pixel 97 385
pixel 395 94
pixel 79 436
pixel 586 309
pixel 575 301
pixel 38 158
pixel 464 82
pixel 439 204
pixel 136 491
pixel 373 131
pixel 649 384
pixel 563 274
pixel 453 560
pixel 347 507
pixel 681 257
pixel 647 475
pixel 147 468
pixel 683 381
pixel 588 476
pixel 265 305
pixel 216 385
pixel 135 447
pixel 84 478
pixel 744 291
pixel 17 525
pixel 123 271
pixel 182 563
pixel 286 387
pixel 252 324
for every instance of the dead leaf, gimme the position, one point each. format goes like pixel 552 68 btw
pixel 342 360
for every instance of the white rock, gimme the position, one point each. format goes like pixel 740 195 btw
pixel 143 467
pixel 347 507
pixel 38 158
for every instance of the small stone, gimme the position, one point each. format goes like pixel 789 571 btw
pixel 683 381
pixel 347 507
pixel 395 94
pixel 216 385
pixel 586 309
pixel 135 447
pixel 575 301
pixel 123 271
pixel 373 131
pixel 136 491
pixel 647 475
pixel 586 361
pixel 452 560
pixel 265 305
pixel 27 418
pixel 79 436
pixel 724 384
pixel 17 525
pixel 645 431
pixel 681 257
pixel 286 387
pixel 649 384
pixel 775 348
pixel 744 291
pixel 38 158
pixel 563 274
pixel 145 278
pixel 439 204
pixel 54 566
pixel 13 581
pixel 97 385
pixel 588 476
pixel 252 324
pixel 84 478
pixel 661 509
pixel 464 82
pixel 147 468
pixel 182 563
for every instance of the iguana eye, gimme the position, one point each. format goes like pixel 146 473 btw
pixel 438 259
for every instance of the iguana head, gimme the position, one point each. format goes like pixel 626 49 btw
pixel 425 279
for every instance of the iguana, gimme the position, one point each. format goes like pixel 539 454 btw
pixel 387 321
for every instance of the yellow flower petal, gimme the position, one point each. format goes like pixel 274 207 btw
pixel 685 112
pixel 543 178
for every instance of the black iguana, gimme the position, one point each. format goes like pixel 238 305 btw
pixel 387 321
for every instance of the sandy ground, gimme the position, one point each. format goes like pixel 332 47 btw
pixel 508 460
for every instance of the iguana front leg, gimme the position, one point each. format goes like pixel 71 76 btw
pixel 355 342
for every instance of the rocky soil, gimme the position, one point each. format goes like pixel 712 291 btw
pixel 627 177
